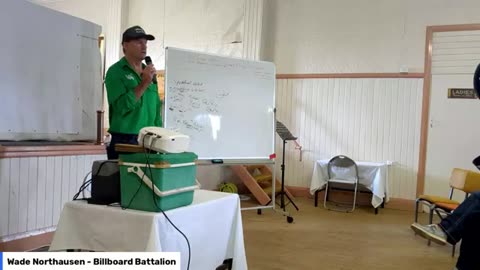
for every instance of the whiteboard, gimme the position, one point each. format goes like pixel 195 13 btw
pixel 50 77
pixel 226 105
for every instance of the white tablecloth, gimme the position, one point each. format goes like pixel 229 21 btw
pixel 373 175
pixel 212 224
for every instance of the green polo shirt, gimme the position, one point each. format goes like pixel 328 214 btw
pixel 126 114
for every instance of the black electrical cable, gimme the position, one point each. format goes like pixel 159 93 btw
pixel 85 185
pixel 139 186
pixel 154 199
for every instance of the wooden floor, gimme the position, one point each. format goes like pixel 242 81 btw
pixel 321 239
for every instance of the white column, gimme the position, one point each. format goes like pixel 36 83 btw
pixel 252 29
pixel 113 30
pixel 116 19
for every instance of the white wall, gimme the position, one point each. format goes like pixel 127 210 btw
pixel 365 119
pixel 344 36
pixel 33 191
pixel 364 36
pixel 301 36
pixel 209 26
pixel 91 10
pixel 200 25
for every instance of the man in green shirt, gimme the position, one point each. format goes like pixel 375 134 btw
pixel 132 92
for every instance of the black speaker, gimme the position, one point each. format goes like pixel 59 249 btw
pixel 105 187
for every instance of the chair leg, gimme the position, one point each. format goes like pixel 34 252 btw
pixel 316 198
pixel 417 202
pixel 355 197
pixel 430 218
pixel 325 197
pixel 453 250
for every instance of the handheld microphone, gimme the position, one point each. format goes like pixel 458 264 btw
pixel 148 61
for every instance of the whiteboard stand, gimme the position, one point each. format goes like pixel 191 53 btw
pixel 279 127
pixel 269 162
pixel 209 98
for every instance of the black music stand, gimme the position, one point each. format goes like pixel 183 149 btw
pixel 285 134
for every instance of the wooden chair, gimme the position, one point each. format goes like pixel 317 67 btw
pixel 463 180
pixel 460 179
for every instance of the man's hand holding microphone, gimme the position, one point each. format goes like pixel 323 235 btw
pixel 149 75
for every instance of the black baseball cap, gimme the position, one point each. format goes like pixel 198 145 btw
pixel 135 32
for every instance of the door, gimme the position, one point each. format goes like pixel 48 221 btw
pixel 454 124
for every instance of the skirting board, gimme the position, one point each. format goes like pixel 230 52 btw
pixel 27 243
pixel 362 198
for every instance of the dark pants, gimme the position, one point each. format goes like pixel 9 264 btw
pixel 469 258
pixel 464 224
pixel 454 224
pixel 119 138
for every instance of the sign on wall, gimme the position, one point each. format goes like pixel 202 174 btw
pixel 465 93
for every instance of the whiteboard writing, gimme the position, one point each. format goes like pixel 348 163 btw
pixel 224 104
pixel 189 98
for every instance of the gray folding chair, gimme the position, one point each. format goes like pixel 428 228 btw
pixel 342 171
